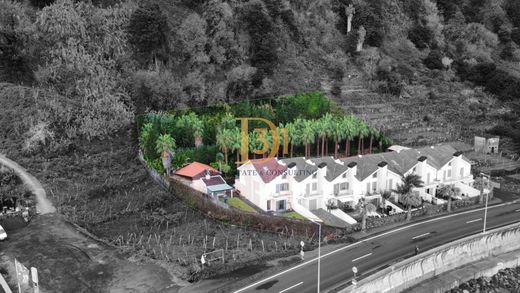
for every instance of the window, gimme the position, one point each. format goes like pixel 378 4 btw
pixel 428 178
pixel 281 205
pixel 374 186
pixel 449 164
pixel 344 175
pixel 461 172
pixel 390 185
pixel 344 186
pixel 374 175
pixel 268 205
pixel 336 189
pixel 314 186
pixel 368 187
pixel 449 173
pixel 315 175
pixel 282 187
pixel 284 176
pixel 444 174
pixel 414 169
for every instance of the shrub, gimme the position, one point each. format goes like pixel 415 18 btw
pixel 434 60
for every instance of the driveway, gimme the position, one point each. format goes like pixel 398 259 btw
pixel 43 205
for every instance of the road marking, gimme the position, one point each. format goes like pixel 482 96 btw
pixel 517 210
pixel 284 290
pixel 356 259
pixel 421 235
pixel 369 239
pixel 473 221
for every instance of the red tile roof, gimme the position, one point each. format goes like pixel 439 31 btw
pixel 195 170
pixel 268 168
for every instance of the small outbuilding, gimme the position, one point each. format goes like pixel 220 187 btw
pixel 487 144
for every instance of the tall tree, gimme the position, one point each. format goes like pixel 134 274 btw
pixel 225 141
pixel 307 135
pixel 406 195
pixel 147 34
pixel 448 192
pixel 165 143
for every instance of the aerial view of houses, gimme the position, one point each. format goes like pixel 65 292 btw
pixel 354 165
pixel 251 146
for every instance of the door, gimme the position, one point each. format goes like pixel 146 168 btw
pixel 313 204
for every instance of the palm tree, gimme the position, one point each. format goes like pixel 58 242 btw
pixel 363 131
pixel 225 140
pixel 291 136
pixel 307 136
pixel 198 130
pixel 338 132
pixel 383 141
pixel 408 200
pixel 237 142
pixel 373 133
pixel 348 126
pixel 192 122
pixel 448 192
pixel 328 127
pixel 219 158
pixel 363 206
pixel 407 197
pixel 384 197
pixel 165 143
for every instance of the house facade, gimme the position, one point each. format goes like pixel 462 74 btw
pixel 276 185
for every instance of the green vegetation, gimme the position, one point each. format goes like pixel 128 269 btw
pixel 241 205
pixel 293 215
pixel 316 122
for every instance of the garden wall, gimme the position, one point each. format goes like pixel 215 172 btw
pixel 440 260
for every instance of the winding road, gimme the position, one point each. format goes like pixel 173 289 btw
pixel 379 251
pixel 43 205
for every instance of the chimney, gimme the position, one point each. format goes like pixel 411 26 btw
pixel 353 166
pixel 208 175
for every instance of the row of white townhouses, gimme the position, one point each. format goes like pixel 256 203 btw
pixel 282 184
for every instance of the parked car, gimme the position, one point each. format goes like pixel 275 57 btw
pixel 3 235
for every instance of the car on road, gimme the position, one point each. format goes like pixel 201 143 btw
pixel 3 235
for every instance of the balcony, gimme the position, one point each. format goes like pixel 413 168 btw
pixel 343 193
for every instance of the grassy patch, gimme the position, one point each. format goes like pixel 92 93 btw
pixel 239 204
pixel 293 215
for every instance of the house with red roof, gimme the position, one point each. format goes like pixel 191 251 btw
pixel 205 178
pixel 195 171
pixel 262 182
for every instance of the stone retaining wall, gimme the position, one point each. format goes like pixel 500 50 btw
pixel 439 260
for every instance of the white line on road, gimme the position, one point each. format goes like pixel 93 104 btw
pixel 284 290
pixel 473 221
pixel 356 259
pixel 421 235
pixel 369 239
pixel 517 210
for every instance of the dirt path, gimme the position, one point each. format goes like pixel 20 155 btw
pixel 43 206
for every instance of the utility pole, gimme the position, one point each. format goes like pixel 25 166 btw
pixel 319 253
pixel 487 198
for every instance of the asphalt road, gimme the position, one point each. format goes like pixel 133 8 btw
pixel 382 250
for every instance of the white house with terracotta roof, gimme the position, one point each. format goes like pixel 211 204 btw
pixel 278 185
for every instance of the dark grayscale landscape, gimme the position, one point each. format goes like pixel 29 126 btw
pixel 280 146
